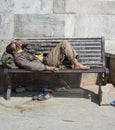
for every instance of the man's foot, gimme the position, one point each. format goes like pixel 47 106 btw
pixel 77 65
pixel 80 66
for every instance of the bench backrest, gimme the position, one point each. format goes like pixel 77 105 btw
pixel 91 50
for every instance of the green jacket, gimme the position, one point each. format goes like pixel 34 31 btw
pixel 8 61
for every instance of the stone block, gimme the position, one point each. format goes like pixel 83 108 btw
pixel 58 6
pixel 69 25
pixel 110 45
pixel 33 7
pixel 6 19
pixel 90 7
pixel 110 25
pixel 88 79
pixel 6 26
pixel 36 26
pixel 86 27
pixel 6 6
pixel 112 70
pixel 106 94
pixel 94 26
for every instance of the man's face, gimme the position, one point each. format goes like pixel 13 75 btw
pixel 16 46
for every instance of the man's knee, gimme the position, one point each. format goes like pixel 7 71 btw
pixel 64 42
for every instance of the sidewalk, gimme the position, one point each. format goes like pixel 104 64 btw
pixel 72 110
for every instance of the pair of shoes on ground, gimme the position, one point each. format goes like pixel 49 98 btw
pixel 43 95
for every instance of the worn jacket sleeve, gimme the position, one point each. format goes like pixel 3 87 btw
pixel 29 64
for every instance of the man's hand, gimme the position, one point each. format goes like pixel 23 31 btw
pixel 19 43
pixel 52 68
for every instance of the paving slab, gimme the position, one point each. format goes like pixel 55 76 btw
pixel 69 112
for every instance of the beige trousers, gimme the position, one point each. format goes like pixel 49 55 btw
pixel 56 56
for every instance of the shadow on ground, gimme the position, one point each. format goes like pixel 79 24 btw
pixel 57 93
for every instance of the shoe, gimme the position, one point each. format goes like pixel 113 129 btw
pixel 39 96
pixel 47 95
pixel 42 95
pixel 113 103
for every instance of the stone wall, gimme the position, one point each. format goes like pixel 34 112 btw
pixel 58 18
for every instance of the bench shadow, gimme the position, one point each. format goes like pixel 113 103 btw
pixel 68 93
pixel 54 82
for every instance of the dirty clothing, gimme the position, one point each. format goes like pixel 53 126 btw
pixel 56 56
pixel 29 61
pixel 8 61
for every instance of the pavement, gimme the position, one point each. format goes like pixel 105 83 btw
pixel 74 109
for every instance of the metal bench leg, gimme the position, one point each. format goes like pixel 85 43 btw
pixel 9 85
pixel 106 76
pixel 8 94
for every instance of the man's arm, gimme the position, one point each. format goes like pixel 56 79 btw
pixel 35 65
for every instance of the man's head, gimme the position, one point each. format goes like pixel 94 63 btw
pixel 13 47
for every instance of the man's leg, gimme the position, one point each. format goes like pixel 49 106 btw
pixel 56 56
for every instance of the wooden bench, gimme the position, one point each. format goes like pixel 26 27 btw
pixel 91 53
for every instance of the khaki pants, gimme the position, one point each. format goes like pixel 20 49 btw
pixel 56 56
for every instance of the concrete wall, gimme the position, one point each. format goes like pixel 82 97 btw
pixel 57 18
